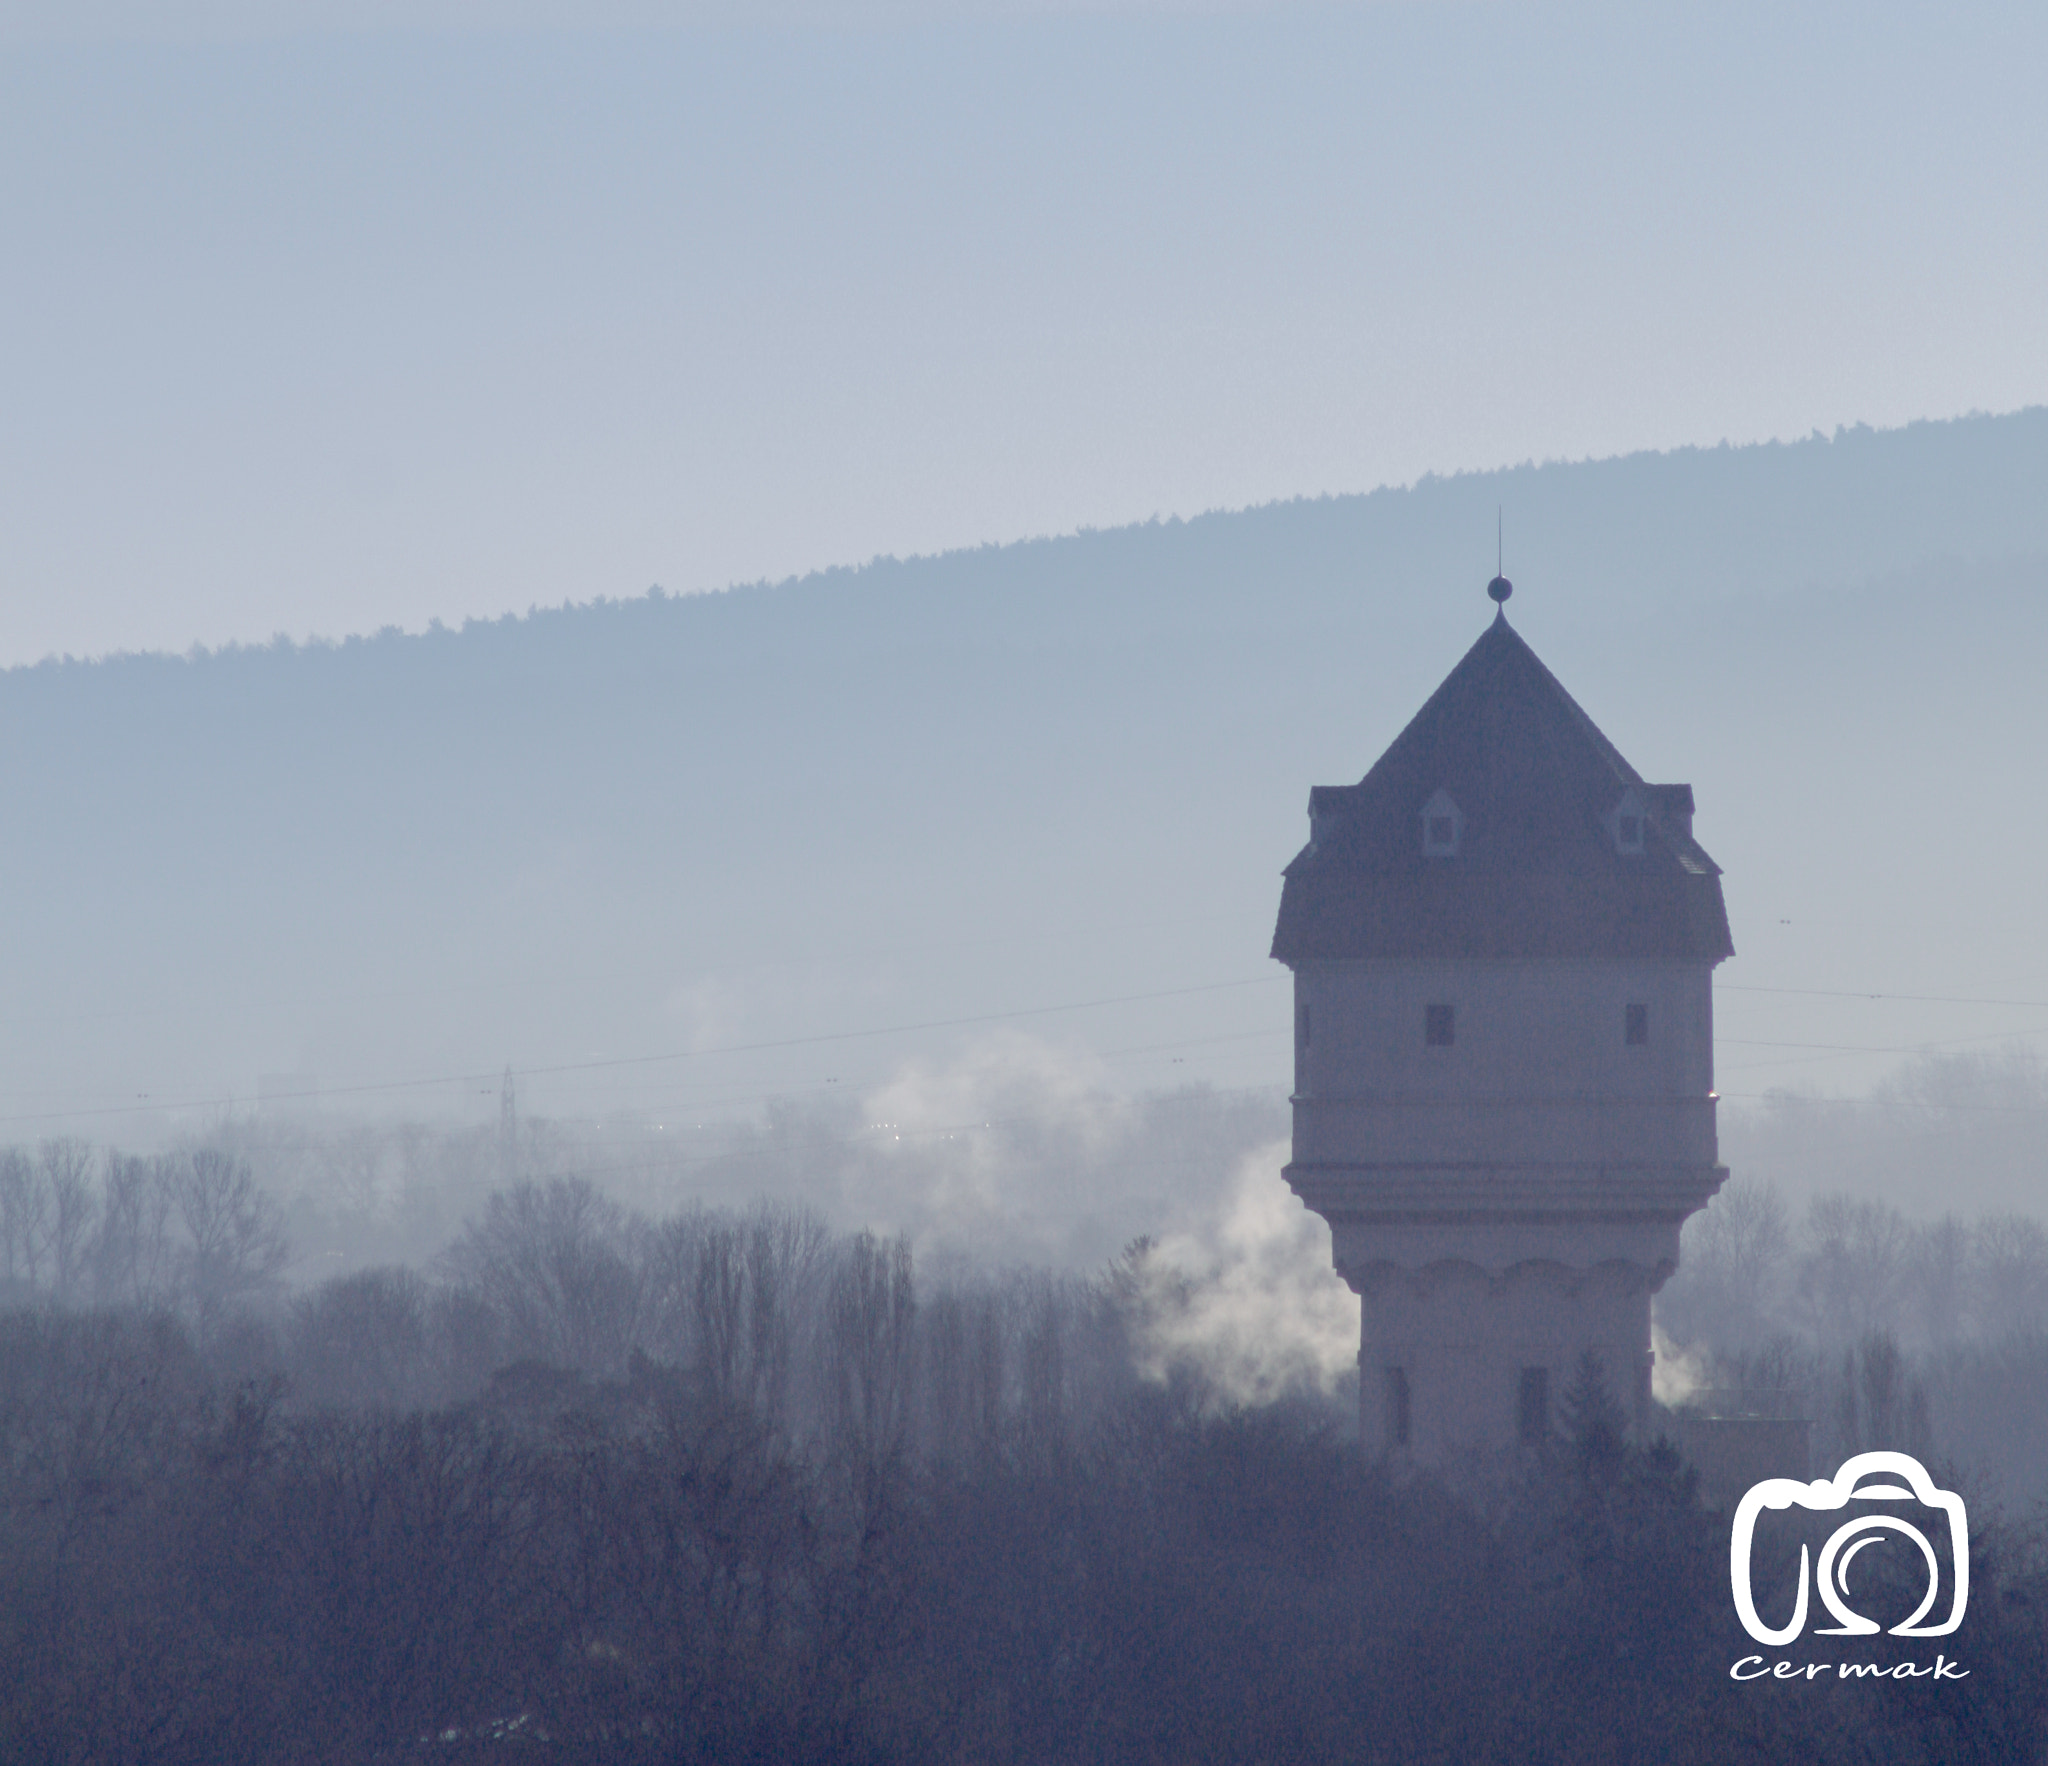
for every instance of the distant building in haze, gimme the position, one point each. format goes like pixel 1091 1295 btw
pixel 1503 943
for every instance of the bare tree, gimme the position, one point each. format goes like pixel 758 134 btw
pixel 2010 1258
pixel 719 1314
pixel 66 1167
pixel 733 1298
pixel 557 1262
pixel 1853 1271
pixel 131 1254
pixel 1043 1420
pixel 362 1340
pixel 965 1369
pixel 1939 1271
pixel 235 1245
pixel 872 1348
pixel 669 1258
pixel 1878 1400
pixel 1732 1273
pixel 786 1252
pixel 24 1224
pixel 946 1377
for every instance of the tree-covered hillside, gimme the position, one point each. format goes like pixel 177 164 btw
pixel 1003 780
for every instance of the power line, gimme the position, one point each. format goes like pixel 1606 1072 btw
pixel 1865 1048
pixel 613 1063
pixel 844 1084
pixel 1836 993
pixel 1833 1051
pixel 618 1061
pixel 1791 1097
pixel 559 980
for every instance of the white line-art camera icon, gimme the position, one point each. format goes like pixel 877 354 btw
pixel 1847 1540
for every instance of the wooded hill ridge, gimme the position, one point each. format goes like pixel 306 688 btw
pixel 1057 770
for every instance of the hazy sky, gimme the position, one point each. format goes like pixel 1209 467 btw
pixel 326 315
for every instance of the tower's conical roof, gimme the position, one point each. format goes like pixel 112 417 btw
pixel 1543 807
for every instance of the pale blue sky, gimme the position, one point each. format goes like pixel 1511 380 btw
pixel 313 323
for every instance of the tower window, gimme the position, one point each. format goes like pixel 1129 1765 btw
pixel 1439 1026
pixel 1532 1404
pixel 1636 1028
pixel 1398 1416
pixel 1628 821
pixel 1443 822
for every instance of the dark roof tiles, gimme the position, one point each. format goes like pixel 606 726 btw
pixel 1539 870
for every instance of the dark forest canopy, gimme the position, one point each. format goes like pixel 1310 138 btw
pixel 840 1517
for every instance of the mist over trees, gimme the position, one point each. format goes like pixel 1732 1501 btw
pixel 1801 1289
pixel 384 1440
pixel 1937 1127
pixel 188 1232
pixel 1013 1162
pixel 732 1485
pixel 1805 1288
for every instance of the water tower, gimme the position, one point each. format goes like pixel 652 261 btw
pixel 1503 943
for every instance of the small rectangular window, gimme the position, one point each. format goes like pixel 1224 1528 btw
pixel 1532 1404
pixel 1308 1028
pixel 1443 832
pixel 1630 830
pixel 1440 1026
pixel 1638 1026
pixel 1398 1419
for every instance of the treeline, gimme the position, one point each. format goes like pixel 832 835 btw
pixel 546 1275
pixel 962 1552
pixel 1933 1336
pixel 730 1486
pixel 1849 1266
pixel 553 1285
pixel 1929 1336
pixel 190 1231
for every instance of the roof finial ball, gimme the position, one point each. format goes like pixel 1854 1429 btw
pixel 1500 589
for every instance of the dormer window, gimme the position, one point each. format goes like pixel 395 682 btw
pixel 1627 822
pixel 1443 826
